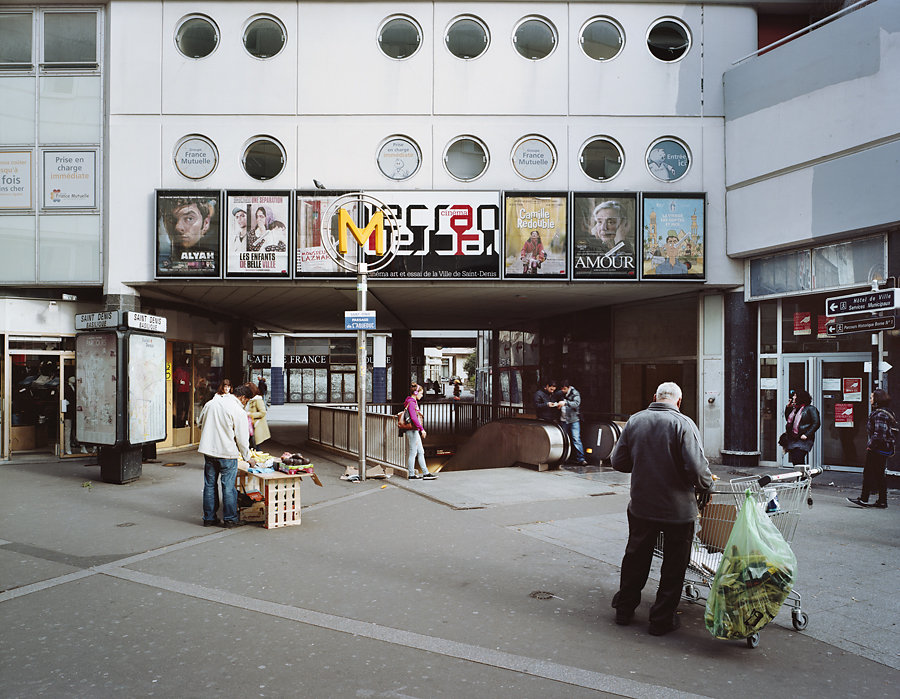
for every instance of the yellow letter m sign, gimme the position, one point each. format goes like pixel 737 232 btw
pixel 376 225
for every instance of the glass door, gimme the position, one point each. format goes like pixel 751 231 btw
pixel 844 402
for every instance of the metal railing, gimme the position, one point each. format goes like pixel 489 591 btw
pixel 335 426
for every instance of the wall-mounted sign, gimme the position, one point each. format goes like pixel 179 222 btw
pixel 843 414
pixel 196 157
pixel 399 158
pixel 533 158
pixel 15 179
pixel 535 240
pixel 96 321
pixel 852 389
pixel 256 239
pixel 674 232
pixel 668 160
pixel 359 320
pixel 143 321
pixel 188 233
pixel 803 323
pixel 70 179
pixel 604 236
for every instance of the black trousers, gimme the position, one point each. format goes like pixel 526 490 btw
pixel 642 537
pixel 873 477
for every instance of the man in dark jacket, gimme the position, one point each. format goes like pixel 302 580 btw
pixel 569 401
pixel 663 452
pixel 545 408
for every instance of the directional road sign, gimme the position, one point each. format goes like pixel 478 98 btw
pixel 888 299
pixel 359 320
pixel 873 324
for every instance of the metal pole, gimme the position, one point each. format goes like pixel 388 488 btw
pixel 361 289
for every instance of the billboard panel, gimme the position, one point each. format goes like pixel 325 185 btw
pixel 604 236
pixel 257 234
pixel 188 234
pixel 536 236
pixel 674 233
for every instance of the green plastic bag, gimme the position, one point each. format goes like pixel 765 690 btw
pixel 754 578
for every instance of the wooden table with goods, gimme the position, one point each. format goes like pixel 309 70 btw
pixel 280 504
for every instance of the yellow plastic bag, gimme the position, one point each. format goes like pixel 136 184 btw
pixel 754 578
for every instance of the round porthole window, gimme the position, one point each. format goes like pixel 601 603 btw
pixel 601 158
pixel 668 159
pixel 399 158
pixel 399 37
pixel 467 38
pixel 533 158
pixel 196 157
pixel 264 37
pixel 263 158
pixel 197 36
pixel 602 39
pixel 534 38
pixel 466 158
pixel 668 40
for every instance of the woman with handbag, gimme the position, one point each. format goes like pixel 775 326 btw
pixel 256 409
pixel 880 430
pixel 415 434
pixel 802 422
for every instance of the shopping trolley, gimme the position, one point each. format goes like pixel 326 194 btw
pixel 782 496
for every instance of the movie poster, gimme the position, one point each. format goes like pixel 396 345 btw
pixel 673 236
pixel 604 236
pixel 311 259
pixel 188 233
pixel 444 235
pixel 535 242
pixel 256 235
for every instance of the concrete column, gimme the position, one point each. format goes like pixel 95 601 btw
pixel 379 368
pixel 276 385
pixel 741 370
pixel 400 357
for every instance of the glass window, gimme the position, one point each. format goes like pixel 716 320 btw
pixel 264 37
pixel 768 327
pixel 848 264
pixel 70 38
pixel 399 158
pixel 602 39
pixel 197 36
pixel 668 40
pixel 399 37
pixel 15 39
pixel 467 38
pixel 69 249
pixel 17 263
pixel 668 159
pixel 601 159
pixel 780 274
pixel 70 109
pixel 466 158
pixel 534 38
pixel 802 326
pixel 17 110
pixel 264 159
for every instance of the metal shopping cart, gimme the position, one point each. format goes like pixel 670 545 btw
pixel 782 496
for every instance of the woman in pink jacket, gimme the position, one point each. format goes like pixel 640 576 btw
pixel 415 436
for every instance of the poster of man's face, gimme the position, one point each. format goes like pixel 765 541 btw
pixel 256 239
pixel 187 234
pixel 673 237
pixel 535 243
pixel 604 237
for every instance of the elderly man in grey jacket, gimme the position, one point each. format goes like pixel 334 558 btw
pixel 662 450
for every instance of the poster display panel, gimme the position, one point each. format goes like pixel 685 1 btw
pixel 674 234
pixel 188 233
pixel 146 388
pixel 604 236
pixel 444 235
pixel 95 389
pixel 311 260
pixel 256 235
pixel 15 179
pixel 535 236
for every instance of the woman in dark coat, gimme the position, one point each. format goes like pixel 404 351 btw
pixel 802 422
pixel 880 430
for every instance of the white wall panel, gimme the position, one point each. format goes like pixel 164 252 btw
pixel 133 72
pixel 342 70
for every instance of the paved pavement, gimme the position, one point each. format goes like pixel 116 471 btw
pixel 486 583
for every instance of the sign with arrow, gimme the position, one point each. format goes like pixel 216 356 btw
pixel 888 299
pixel 873 324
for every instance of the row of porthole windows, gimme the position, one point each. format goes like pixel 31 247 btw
pixel 467 37
pixel 466 158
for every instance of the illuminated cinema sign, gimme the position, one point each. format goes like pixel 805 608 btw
pixel 369 243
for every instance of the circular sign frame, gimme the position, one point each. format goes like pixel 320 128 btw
pixel 359 199
pixel 203 163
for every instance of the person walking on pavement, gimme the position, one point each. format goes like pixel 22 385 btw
pixel 569 401
pixel 663 452
pixel 224 436
pixel 256 409
pixel 415 436
pixel 263 389
pixel 881 430
pixel 545 408
pixel 801 424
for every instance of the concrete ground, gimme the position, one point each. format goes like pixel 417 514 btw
pixel 491 583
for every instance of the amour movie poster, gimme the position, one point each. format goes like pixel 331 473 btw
pixel 673 233
pixel 188 234
pixel 535 242
pixel 257 234
pixel 604 236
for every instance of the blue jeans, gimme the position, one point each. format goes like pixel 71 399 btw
pixel 213 469
pixel 416 453
pixel 574 431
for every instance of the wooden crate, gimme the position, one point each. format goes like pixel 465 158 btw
pixel 282 500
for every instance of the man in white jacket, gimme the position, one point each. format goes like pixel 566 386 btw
pixel 224 436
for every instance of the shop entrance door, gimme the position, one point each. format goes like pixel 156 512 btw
pixel 37 402
pixel 343 387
